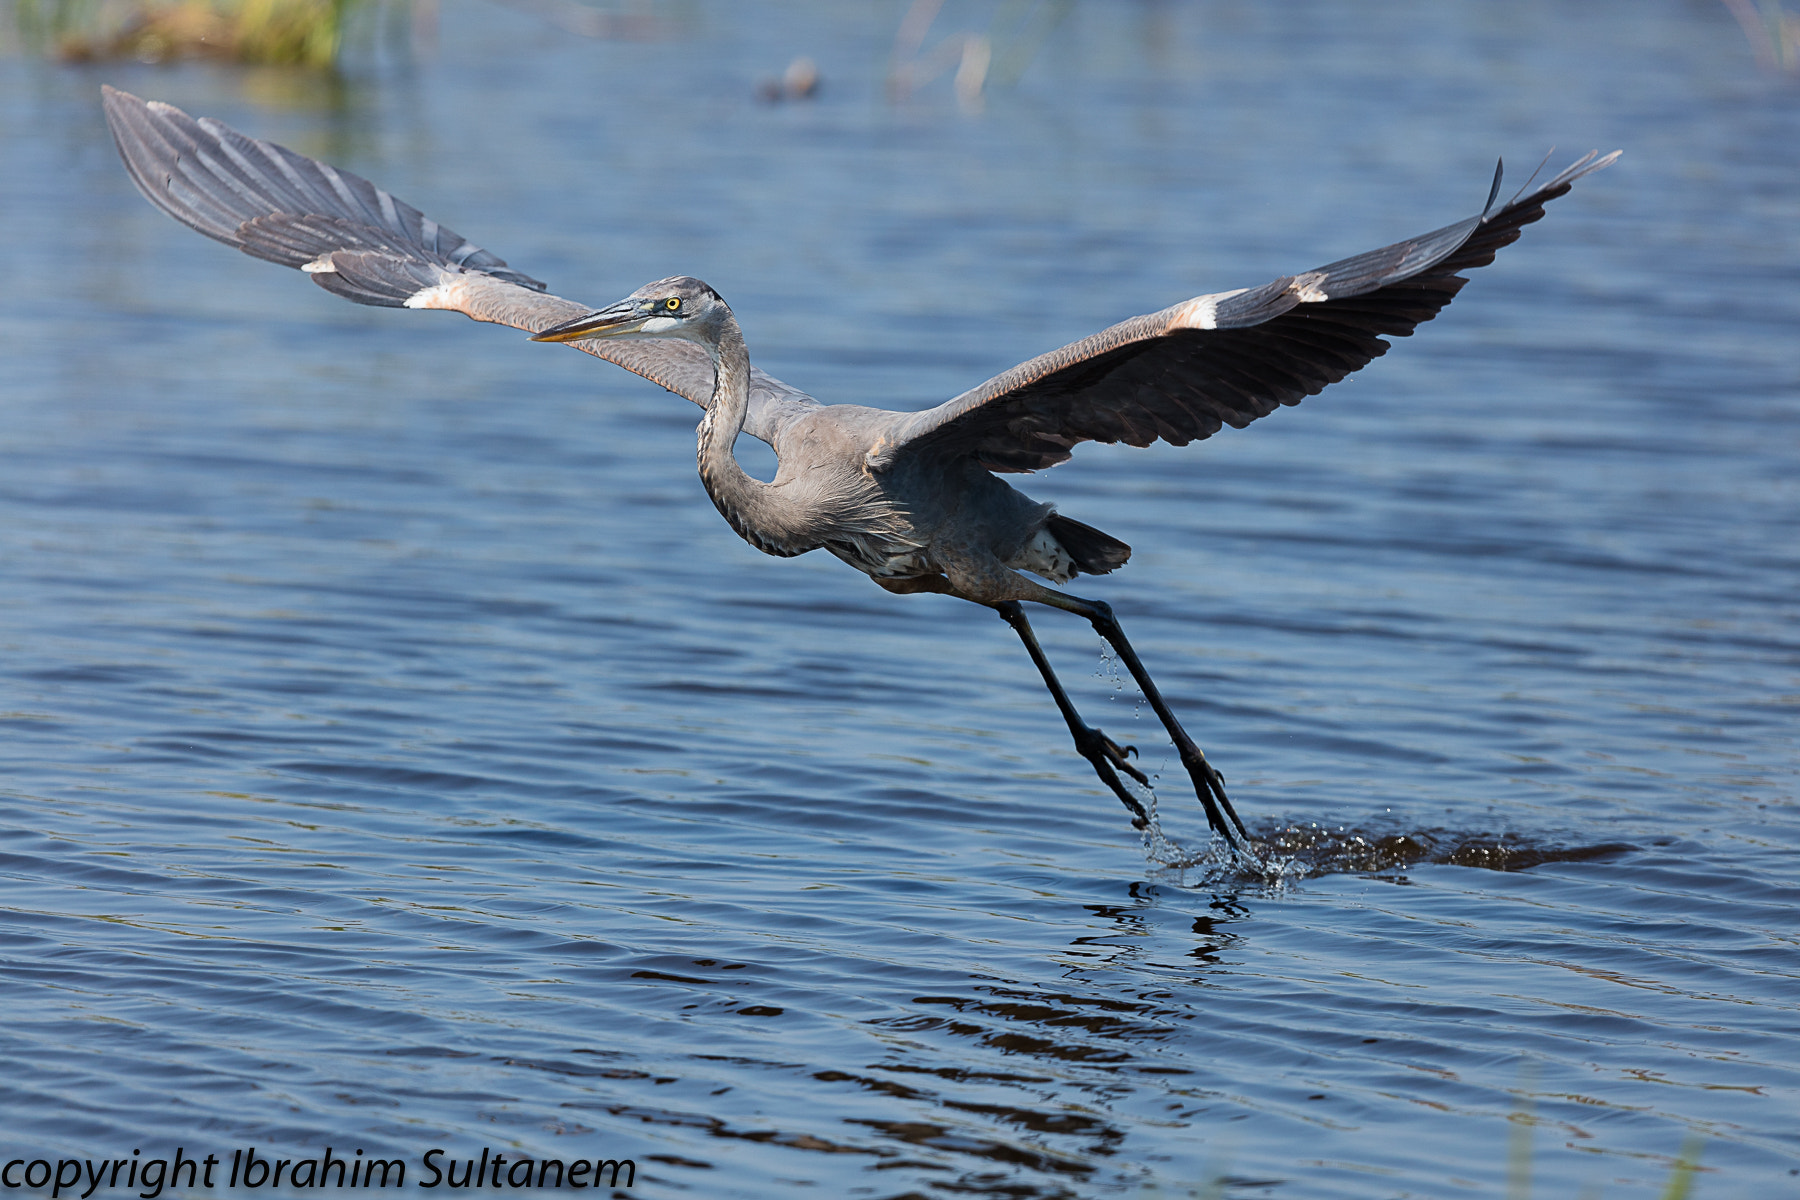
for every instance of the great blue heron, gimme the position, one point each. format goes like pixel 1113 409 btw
pixel 910 499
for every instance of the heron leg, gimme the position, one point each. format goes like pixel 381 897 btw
pixel 1107 756
pixel 1209 785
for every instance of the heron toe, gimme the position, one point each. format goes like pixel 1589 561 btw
pixel 1209 786
pixel 1091 741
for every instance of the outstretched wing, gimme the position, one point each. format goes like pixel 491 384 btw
pixel 1222 359
pixel 361 243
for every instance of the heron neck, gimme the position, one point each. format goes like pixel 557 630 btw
pixel 739 498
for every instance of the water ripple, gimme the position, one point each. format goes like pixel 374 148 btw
pixel 396 751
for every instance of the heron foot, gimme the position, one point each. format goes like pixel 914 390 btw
pixel 1209 786
pixel 1090 741
pixel 1108 758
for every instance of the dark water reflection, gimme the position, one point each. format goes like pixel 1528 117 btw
pixel 398 751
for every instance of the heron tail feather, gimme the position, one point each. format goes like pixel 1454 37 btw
pixel 1094 552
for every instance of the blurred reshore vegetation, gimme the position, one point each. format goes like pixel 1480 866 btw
pixel 313 33
pixel 308 34
pixel 302 33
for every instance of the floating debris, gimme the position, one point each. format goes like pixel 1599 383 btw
pixel 799 82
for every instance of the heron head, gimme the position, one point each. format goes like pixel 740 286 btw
pixel 681 307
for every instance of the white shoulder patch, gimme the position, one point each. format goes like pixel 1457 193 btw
pixel 321 265
pixel 1202 312
pixel 452 294
pixel 1306 287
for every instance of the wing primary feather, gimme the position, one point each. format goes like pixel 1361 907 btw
pixel 1535 172
pixel 364 244
pixel 1499 174
pixel 215 180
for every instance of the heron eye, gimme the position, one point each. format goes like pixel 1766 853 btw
pixel 673 303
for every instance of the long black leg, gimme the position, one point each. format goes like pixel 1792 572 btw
pixel 1209 785
pixel 1100 750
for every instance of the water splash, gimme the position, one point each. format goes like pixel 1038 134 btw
pixel 1217 861
pixel 1280 856
pixel 1347 849
pixel 1283 855
pixel 1110 669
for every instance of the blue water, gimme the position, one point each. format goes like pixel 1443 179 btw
pixel 398 751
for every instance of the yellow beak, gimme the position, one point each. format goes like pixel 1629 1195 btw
pixel 624 317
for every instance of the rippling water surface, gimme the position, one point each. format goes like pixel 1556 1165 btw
pixel 399 752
